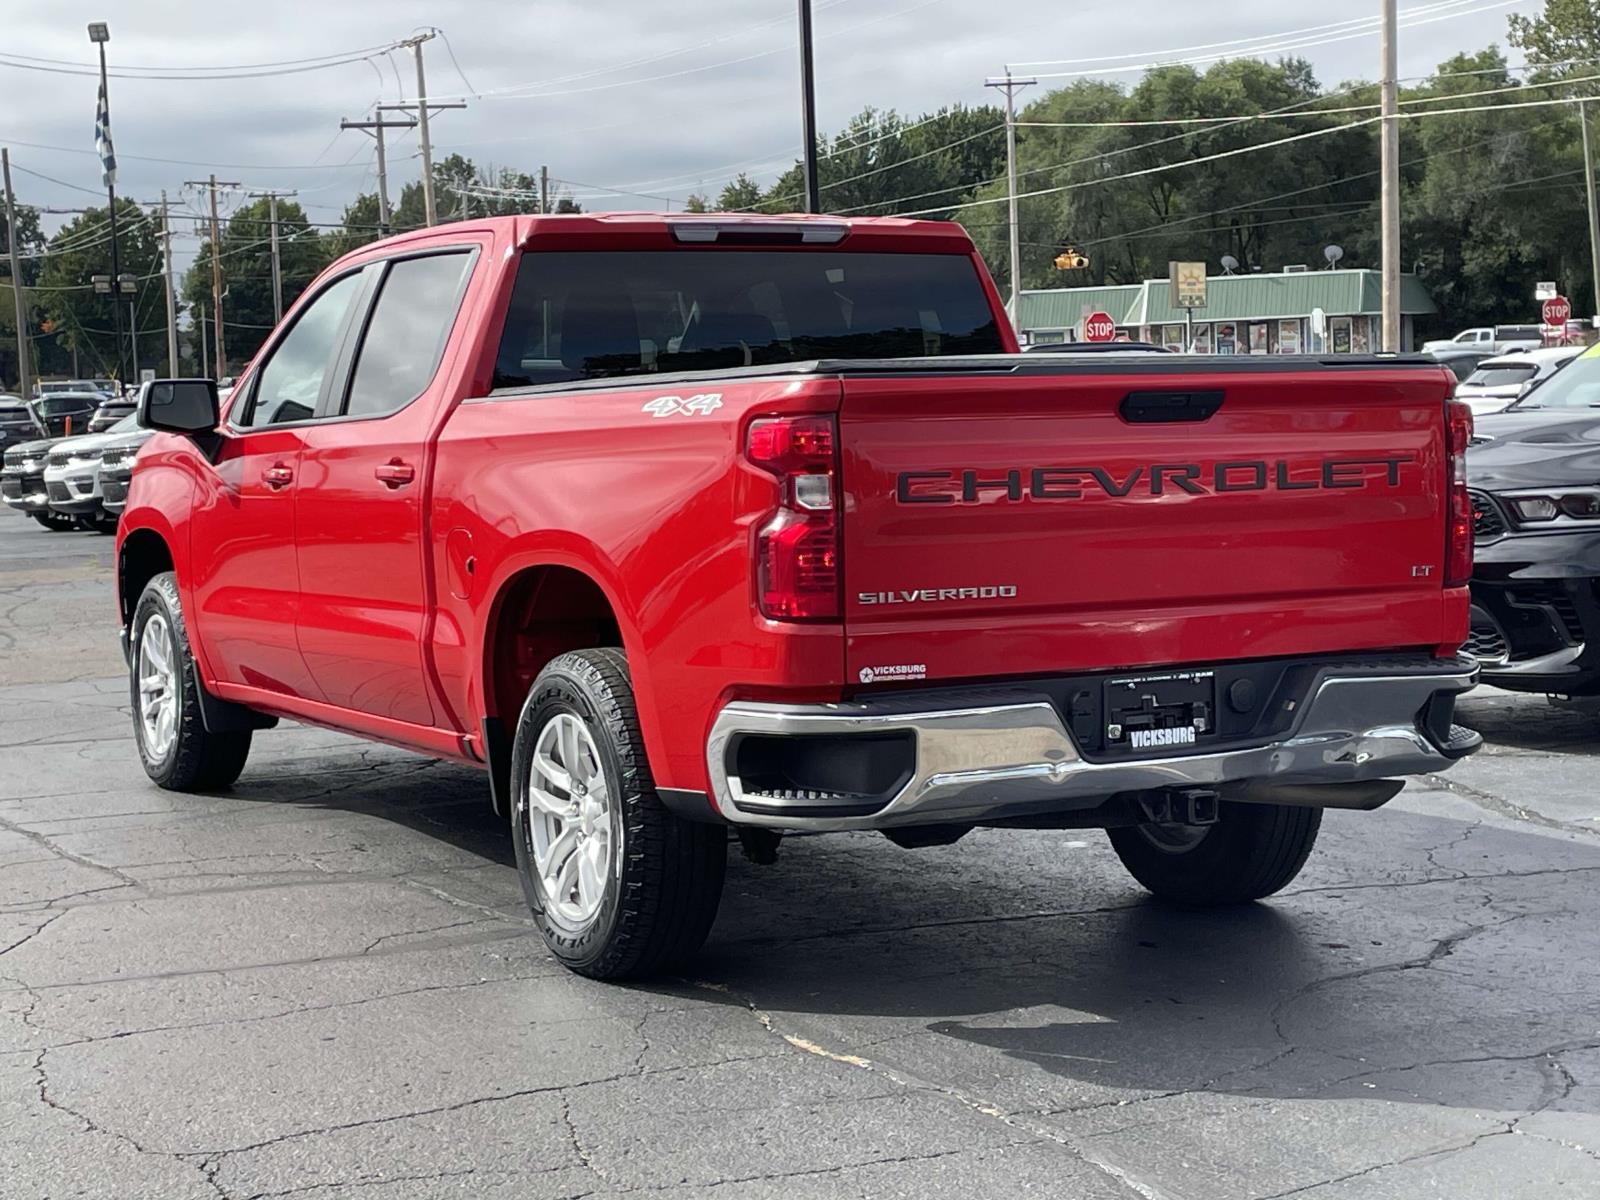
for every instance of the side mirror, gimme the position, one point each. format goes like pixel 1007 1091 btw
pixel 187 406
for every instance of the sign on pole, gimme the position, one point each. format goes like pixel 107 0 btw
pixel 1188 284
pixel 1545 290
pixel 1557 312
pixel 1099 327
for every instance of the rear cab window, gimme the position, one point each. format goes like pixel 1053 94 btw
pixel 1503 376
pixel 601 314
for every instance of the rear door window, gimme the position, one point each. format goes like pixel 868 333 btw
pixel 406 336
pixel 599 314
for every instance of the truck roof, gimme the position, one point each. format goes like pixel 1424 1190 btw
pixel 645 230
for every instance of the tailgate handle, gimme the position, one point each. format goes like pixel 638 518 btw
pixel 1169 408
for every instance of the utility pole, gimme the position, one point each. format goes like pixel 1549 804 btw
pixel 172 300
pixel 429 207
pixel 16 278
pixel 1594 210
pixel 1011 87
pixel 544 189
pixel 200 328
pixel 375 127
pixel 216 269
pixel 277 266
pixel 808 110
pixel 1391 176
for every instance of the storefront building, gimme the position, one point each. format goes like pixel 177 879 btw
pixel 1244 314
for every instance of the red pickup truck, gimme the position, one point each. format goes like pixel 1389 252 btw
pixel 681 523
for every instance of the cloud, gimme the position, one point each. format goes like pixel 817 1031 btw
pixel 618 93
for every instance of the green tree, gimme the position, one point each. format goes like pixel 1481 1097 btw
pixel 83 320
pixel 1567 32
pixel 881 163
pixel 246 258
pixel 30 244
pixel 741 194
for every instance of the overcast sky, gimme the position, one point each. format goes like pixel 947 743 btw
pixel 663 99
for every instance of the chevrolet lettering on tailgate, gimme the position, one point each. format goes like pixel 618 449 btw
pixel 973 486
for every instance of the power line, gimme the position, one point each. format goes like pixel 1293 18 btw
pixel 213 73
pixel 1278 48
pixel 1290 33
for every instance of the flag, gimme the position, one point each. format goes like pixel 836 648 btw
pixel 102 140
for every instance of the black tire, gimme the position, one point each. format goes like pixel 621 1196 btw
pixel 197 760
pixel 661 893
pixel 55 522
pixel 1251 852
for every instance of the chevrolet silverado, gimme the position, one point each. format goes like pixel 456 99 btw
pixel 677 524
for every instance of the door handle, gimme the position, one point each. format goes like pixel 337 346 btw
pixel 278 476
pixel 395 473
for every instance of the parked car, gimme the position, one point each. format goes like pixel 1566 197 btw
pixel 116 468
pixel 1499 382
pixel 100 387
pixel 72 476
pixel 17 422
pixel 1461 360
pixel 1535 478
pixel 1500 338
pixel 66 413
pixel 676 524
pixel 112 411
pixel 22 484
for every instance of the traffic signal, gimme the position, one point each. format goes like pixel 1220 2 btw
pixel 1071 260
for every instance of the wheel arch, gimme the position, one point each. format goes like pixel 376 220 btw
pixel 544 605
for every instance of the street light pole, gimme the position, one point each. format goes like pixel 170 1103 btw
pixel 1391 176
pixel 100 34
pixel 808 111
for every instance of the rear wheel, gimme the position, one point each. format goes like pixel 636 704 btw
pixel 177 750
pixel 618 886
pixel 1252 851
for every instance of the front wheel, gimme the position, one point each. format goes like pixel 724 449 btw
pixel 55 522
pixel 1252 851
pixel 177 750
pixel 618 886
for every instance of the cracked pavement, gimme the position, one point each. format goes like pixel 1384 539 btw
pixel 323 983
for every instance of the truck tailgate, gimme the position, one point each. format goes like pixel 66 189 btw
pixel 1043 521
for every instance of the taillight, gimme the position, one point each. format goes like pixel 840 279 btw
pixel 1458 541
pixel 797 550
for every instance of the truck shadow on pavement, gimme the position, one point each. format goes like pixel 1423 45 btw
pixel 1419 959
pixel 1466 983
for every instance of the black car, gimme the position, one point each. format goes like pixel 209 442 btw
pixel 1463 361
pixel 66 413
pixel 1534 474
pixel 22 484
pixel 17 423
pixel 109 413
pixel 116 469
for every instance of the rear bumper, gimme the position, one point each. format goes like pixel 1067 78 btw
pixel 1003 753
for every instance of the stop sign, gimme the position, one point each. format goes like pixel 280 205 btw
pixel 1557 310
pixel 1099 327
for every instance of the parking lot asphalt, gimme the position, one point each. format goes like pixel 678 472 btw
pixel 322 983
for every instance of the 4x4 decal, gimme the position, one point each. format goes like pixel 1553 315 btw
pixel 672 406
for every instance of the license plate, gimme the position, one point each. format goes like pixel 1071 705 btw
pixel 1160 713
